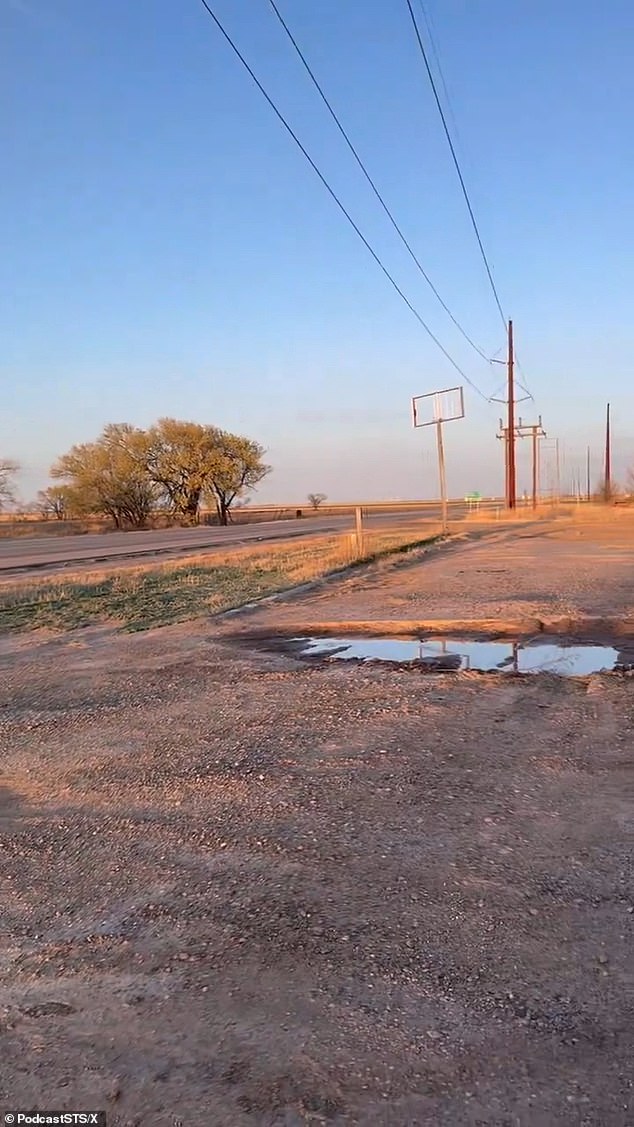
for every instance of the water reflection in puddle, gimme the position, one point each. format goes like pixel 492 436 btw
pixel 454 654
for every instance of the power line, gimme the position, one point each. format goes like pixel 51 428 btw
pixel 369 179
pixel 523 385
pixel 427 20
pixel 428 24
pixel 336 199
pixel 456 162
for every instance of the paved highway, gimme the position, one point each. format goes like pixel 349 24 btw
pixel 51 552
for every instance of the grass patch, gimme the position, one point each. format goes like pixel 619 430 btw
pixel 141 598
pixel 156 598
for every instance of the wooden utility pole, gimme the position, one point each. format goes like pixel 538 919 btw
pixel 534 467
pixel 508 433
pixel 536 431
pixel 505 435
pixel 528 430
pixel 358 520
pixel 608 458
pixel 510 429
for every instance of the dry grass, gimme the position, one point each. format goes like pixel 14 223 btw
pixel 31 526
pixel 156 595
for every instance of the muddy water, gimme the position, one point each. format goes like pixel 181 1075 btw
pixel 455 654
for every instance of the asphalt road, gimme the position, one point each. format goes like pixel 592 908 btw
pixel 52 551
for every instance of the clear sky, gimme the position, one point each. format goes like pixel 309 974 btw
pixel 168 251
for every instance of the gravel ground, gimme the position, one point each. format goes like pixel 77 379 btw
pixel 553 569
pixel 238 889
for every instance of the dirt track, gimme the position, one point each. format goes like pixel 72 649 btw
pixel 238 890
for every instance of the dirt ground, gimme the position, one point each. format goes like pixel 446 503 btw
pixel 239 889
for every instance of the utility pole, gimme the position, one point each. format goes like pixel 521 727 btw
pixel 558 472
pixel 536 431
pixel 504 434
pixel 608 458
pixel 527 430
pixel 511 482
pixel 534 467
pixel 509 432
pixel 588 473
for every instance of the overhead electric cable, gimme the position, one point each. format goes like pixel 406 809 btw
pixel 370 180
pixel 455 160
pixel 336 199
pixel 432 40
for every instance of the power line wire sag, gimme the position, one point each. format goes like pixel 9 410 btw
pixel 336 199
pixel 436 53
pixel 455 160
pixel 370 180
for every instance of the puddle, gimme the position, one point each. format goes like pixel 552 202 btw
pixel 455 654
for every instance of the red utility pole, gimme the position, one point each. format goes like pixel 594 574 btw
pixel 511 486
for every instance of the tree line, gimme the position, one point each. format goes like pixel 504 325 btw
pixel 174 467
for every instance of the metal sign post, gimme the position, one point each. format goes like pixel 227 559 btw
pixel 438 407
pixel 441 474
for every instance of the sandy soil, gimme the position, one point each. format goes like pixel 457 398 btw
pixel 242 890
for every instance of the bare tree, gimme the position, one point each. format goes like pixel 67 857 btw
pixel 317 499
pixel 53 502
pixel 8 470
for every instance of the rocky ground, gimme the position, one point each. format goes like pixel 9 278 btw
pixel 239 889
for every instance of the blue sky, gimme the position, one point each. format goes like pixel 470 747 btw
pixel 168 251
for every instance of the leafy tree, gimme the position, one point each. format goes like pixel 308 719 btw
pixel 317 499
pixel 238 467
pixel 109 476
pixel 8 470
pixel 127 473
pixel 179 459
pixel 53 501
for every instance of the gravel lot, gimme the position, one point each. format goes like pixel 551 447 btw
pixel 238 889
